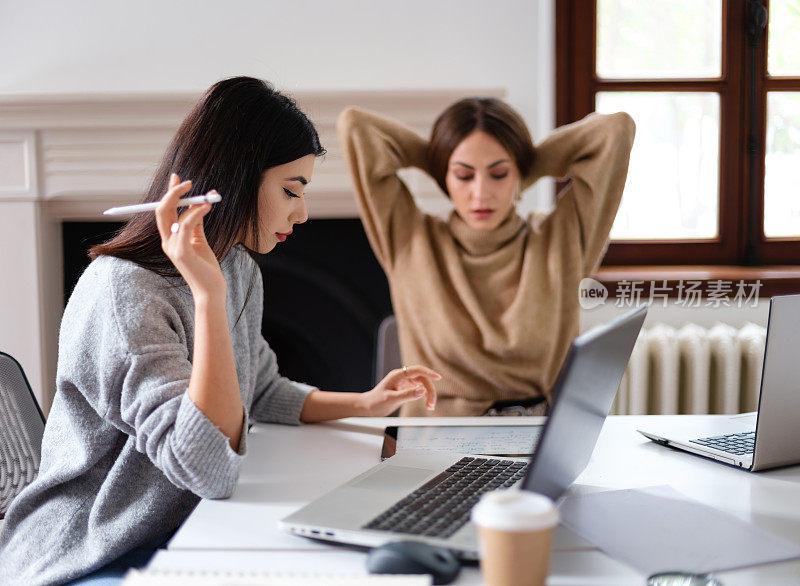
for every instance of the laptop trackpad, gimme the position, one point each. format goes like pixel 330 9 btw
pixel 392 477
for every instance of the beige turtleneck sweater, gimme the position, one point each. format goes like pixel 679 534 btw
pixel 492 312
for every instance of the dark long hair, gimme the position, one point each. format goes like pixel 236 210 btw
pixel 240 128
pixel 492 116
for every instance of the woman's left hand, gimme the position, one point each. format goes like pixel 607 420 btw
pixel 410 383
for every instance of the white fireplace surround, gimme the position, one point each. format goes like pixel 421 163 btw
pixel 70 157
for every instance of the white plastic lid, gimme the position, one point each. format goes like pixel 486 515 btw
pixel 515 510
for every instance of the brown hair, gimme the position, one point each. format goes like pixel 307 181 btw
pixel 240 128
pixel 490 115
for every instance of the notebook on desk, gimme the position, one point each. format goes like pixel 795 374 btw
pixel 770 437
pixel 200 578
pixel 427 496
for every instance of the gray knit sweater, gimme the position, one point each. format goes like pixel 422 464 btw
pixel 126 455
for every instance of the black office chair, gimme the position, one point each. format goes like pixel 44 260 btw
pixel 21 430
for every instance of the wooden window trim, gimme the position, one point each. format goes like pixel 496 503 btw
pixel 772 250
pixel 775 280
pixel 576 85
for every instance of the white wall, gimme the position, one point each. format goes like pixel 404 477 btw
pixel 185 45
pixel 89 46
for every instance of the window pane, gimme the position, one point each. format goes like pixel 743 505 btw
pixel 672 187
pixel 781 179
pixel 676 39
pixel 783 57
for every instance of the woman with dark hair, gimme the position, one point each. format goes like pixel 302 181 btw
pixel 486 298
pixel 161 358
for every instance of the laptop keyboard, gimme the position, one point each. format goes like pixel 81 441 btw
pixel 734 443
pixel 442 506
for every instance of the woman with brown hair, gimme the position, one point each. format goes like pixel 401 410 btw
pixel 161 359
pixel 486 298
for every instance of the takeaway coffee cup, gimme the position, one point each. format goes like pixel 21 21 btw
pixel 515 529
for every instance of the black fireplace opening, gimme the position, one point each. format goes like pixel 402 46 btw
pixel 325 296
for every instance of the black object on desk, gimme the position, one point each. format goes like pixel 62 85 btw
pixel 414 557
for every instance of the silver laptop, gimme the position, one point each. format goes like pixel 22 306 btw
pixel 755 441
pixel 427 496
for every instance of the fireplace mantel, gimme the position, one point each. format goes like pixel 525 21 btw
pixel 68 157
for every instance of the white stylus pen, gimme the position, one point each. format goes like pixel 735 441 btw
pixel 149 207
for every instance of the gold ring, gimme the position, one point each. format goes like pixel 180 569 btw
pixel 405 370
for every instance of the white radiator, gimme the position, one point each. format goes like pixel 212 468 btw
pixel 693 370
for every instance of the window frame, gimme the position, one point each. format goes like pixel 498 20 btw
pixel 741 239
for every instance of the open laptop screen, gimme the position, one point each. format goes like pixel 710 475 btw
pixel 581 398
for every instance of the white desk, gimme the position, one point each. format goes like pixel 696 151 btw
pixel 287 467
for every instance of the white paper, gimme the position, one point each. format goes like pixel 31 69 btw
pixel 156 578
pixel 658 529
pixel 487 440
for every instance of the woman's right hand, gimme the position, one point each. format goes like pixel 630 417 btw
pixel 184 242
pixel 401 385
